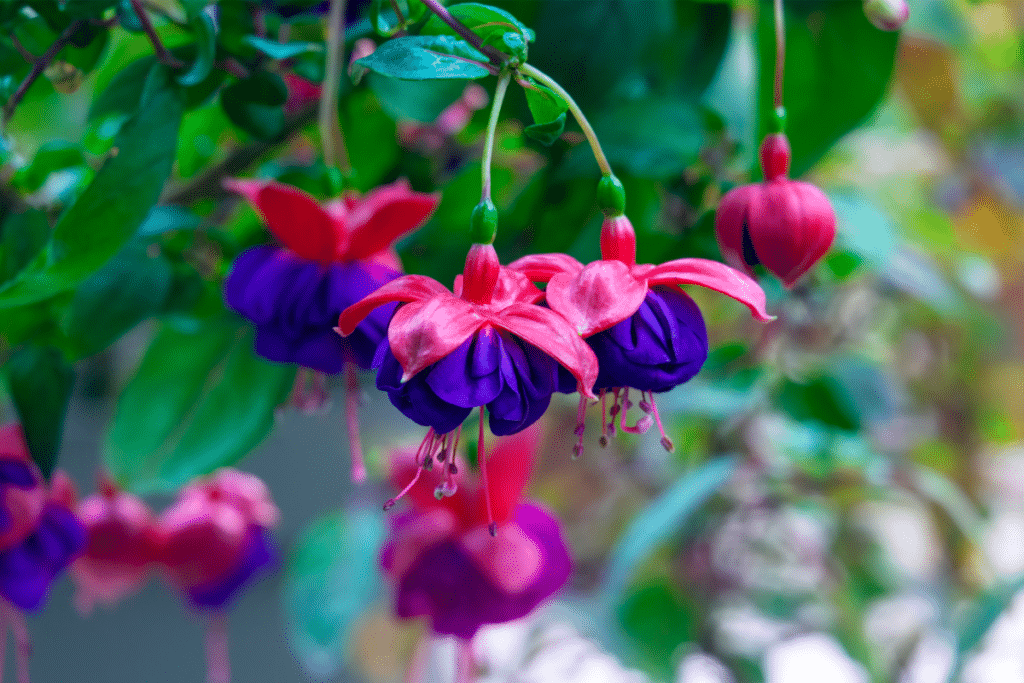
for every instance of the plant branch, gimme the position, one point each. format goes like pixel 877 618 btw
pixel 492 127
pixel 162 54
pixel 497 58
pixel 38 67
pixel 331 138
pixel 398 12
pixel 780 51
pixel 588 130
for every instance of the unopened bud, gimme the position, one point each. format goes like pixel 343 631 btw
pixel 888 15
pixel 483 223
pixel 611 196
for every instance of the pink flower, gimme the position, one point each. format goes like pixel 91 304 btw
pixel 785 225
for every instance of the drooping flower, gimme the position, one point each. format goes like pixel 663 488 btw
pixel 331 257
pixel 446 566
pixel 785 225
pixel 124 545
pixel 647 334
pixel 888 15
pixel 487 344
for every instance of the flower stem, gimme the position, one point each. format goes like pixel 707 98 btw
pixel 465 665
pixel 492 127
pixel 218 663
pixel 335 155
pixel 780 51
pixel 588 130
pixel 162 54
pixel 38 67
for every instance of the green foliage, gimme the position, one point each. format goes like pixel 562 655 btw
pixel 40 381
pixel 418 58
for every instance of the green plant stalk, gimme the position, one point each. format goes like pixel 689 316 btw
pixel 331 138
pixel 588 130
pixel 492 127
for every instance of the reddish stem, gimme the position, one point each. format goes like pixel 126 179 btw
pixel 38 67
pixel 444 15
pixel 162 54
pixel 481 458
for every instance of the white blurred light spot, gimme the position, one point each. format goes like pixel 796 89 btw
pixel 978 276
pixel 814 658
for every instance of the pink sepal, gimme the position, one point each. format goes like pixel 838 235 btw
pixel 550 333
pixel 511 560
pixel 385 214
pixel 730 220
pixel 512 287
pixel 716 276
pixel 293 216
pixel 541 267
pixel 406 288
pixel 425 331
pixel 602 294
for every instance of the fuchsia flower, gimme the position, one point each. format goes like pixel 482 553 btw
pixel 39 535
pixel 646 333
pixel 444 563
pixel 332 256
pixel 888 15
pixel 216 536
pixel 124 545
pixel 785 225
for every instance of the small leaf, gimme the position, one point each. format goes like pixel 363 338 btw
pixel 331 578
pixel 52 156
pixel 545 105
pixel 276 50
pixel 490 23
pixel 166 219
pixel 547 133
pixel 40 381
pixel 255 104
pixel 197 402
pixel 131 287
pixel 22 237
pixel 418 58
pixel 115 203
pixel 205 30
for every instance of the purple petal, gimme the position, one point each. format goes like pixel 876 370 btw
pixel 259 554
pixel 27 569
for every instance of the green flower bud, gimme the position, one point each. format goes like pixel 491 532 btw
pixel 483 224
pixel 611 196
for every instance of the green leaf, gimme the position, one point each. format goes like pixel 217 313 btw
pixel 205 30
pixel 166 219
pixel 22 237
pixel 255 104
pixel 418 58
pixel 658 619
pixel 545 105
pixel 978 619
pixel 547 133
pixel 198 401
pixel 115 203
pixel 276 50
pixel 421 101
pixel 330 579
pixel 52 156
pixel 490 23
pixel 833 55
pixel 40 381
pixel 131 287
pixel 664 516
pixel 822 399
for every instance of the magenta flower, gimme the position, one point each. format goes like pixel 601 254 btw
pixel 488 344
pixel 444 563
pixel 646 333
pixel 785 225
pixel 124 545
pixel 332 256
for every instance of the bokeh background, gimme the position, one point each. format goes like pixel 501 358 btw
pixel 845 499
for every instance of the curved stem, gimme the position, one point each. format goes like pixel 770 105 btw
pixel 780 51
pixel 588 131
pixel 497 58
pixel 331 138
pixel 492 127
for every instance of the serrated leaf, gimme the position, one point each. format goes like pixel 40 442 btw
pixel 331 578
pixel 198 401
pixel 417 58
pixel 115 203
pixel 40 381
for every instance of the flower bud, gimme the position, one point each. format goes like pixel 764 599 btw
pixel 611 196
pixel 480 275
pixel 618 240
pixel 888 15
pixel 483 222
pixel 785 225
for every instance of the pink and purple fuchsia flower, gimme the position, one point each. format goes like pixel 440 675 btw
pixel 444 563
pixel 331 257
pixel 647 334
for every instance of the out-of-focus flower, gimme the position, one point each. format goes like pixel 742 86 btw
pixel 428 138
pixel 40 534
pixel 122 550
pixel 888 15
pixel 647 334
pixel 216 536
pixel 332 256
pixel 785 225
pixel 301 93
pixel 443 561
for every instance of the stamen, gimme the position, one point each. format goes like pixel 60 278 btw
pixel 603 440
pixel 425 449
pixel 641 426
pixel 22 643
pixel 218 664
pixel 355 444
pixel 581 414
pixel 408 487
pixel 666 442
pixel 482 461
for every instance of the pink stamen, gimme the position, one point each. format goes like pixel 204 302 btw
pixel 218 662
pixel 581 413
pixel 355 444
pixel 426 449
pixel 641 426
pixel 482 461
pixel 603 440
pixel 666 442
pixel 465 664
pixel 22 643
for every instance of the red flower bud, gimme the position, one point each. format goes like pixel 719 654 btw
pixel 618 240
pixel 785 225
pixel 888 15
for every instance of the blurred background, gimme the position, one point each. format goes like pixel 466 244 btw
pixel 844 503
